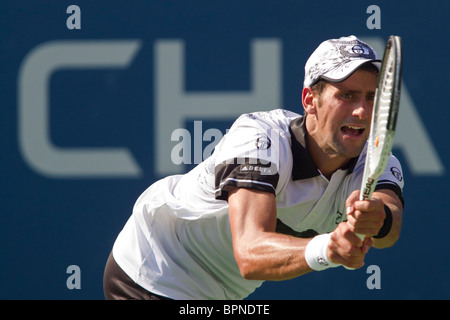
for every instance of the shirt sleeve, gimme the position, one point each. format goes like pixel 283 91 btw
pixel 392 178
pixel 248 157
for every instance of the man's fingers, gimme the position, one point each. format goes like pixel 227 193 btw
pixel 365 216
pixel 371 205
pixel 346 248
pixel 352 198
pixel 367 245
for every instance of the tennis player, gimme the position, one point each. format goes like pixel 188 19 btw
pixel 277 199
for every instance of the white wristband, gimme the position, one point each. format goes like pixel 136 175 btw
pixel 316 253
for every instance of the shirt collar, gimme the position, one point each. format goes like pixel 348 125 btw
pixel 304 167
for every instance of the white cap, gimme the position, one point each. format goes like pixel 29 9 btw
pixel 336 59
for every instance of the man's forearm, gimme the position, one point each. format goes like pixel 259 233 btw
pixel 273 257
pixel 396 208
pixel 394 233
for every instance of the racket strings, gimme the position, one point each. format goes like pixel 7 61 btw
pixel 382 113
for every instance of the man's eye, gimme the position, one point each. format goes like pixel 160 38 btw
pixel 347 95
pixel 370 98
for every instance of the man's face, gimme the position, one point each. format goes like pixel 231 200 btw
pixel 342 115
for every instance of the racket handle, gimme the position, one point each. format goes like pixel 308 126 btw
pixel 361 236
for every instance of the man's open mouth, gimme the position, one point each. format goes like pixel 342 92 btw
pixel 352 131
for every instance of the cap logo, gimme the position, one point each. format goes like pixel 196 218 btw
pixel 359 50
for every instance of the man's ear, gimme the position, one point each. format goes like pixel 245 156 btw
pixel 308 100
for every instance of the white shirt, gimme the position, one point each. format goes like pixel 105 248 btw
pixel 177 243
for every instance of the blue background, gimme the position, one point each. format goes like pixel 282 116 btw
pixel 48 223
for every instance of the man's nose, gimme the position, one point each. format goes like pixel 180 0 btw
pixel 363 109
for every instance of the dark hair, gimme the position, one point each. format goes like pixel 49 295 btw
pixel 320 85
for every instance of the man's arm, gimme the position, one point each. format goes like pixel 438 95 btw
pixel 263 254
pixel 367 217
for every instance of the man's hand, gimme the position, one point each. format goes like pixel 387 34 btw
pixel 346 248
pixel 365 217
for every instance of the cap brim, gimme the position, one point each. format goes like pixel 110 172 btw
pixel 343 72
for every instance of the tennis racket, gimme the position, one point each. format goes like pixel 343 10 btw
pixel 384 117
